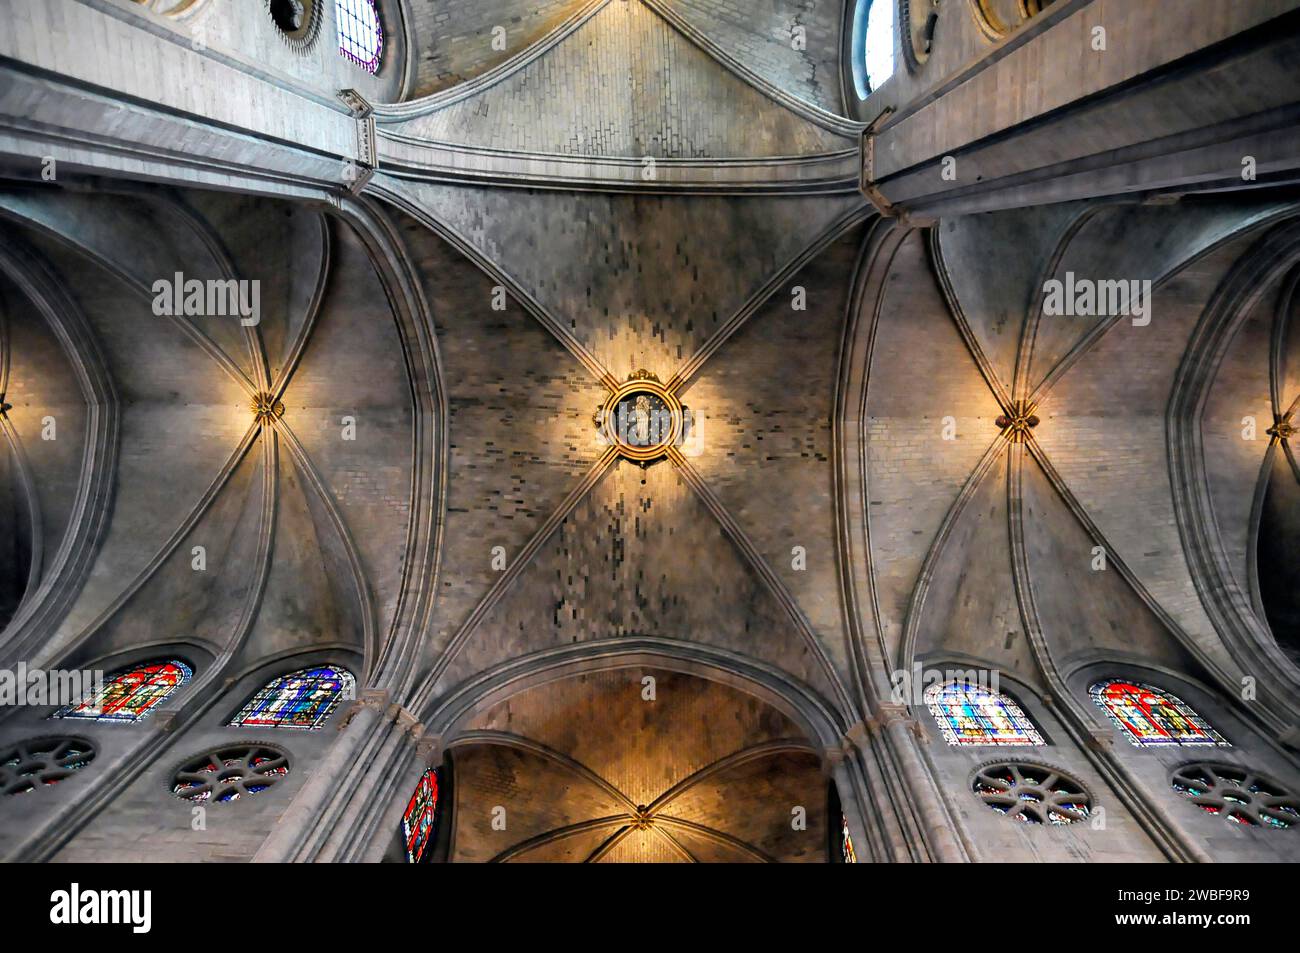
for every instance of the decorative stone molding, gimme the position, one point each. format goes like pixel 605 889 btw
pixel 989 21
pixel 1099 740
pixel 358 172
pixel 405 721
pixel 429 749
pixel 357 104
pixel 174 9
pixel 359 175
pixel 890 713
pixel 415 157
pixel 858 735
pixel 994 26
pixel 376 698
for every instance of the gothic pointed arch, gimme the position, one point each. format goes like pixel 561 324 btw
pixel 973 714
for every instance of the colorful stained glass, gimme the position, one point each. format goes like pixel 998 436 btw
pixel 421 812
pixel 969 714
pixel 1032 793
pixel 846 842
pixel 302 699
pixel 131 695
pixel 361 38
pixel 1238 795
pixel 1150 716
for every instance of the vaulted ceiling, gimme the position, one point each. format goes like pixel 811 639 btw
pixel 637 766
pixel 464 40
pixel 398 462
pixel 272 501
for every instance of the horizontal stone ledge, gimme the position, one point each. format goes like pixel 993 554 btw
pixel 411 158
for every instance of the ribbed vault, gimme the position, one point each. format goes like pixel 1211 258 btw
pixel 896 456
pixel 637 766
pixel 297 554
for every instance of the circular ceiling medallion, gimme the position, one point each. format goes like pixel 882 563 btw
pixel 642 418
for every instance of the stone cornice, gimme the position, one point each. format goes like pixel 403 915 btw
pixel 411 157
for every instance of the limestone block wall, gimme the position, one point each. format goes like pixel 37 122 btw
pixel 763 35
pixel 459 39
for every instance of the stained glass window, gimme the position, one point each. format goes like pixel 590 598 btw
pixel 1151 716
pixel 131 695
pixel 1032 793
pixel 421 811
pixel 361 38
pixel 846 842
pixel 970 714
pixel 302 699
pixel 1238 795
pixel 42 762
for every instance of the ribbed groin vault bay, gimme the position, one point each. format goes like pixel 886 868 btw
pixel 650 430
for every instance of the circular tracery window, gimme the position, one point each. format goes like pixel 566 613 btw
pixel 1032 793
pixel 30 764
pixel 230 772
pixel 1238 795
pixel 297 20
